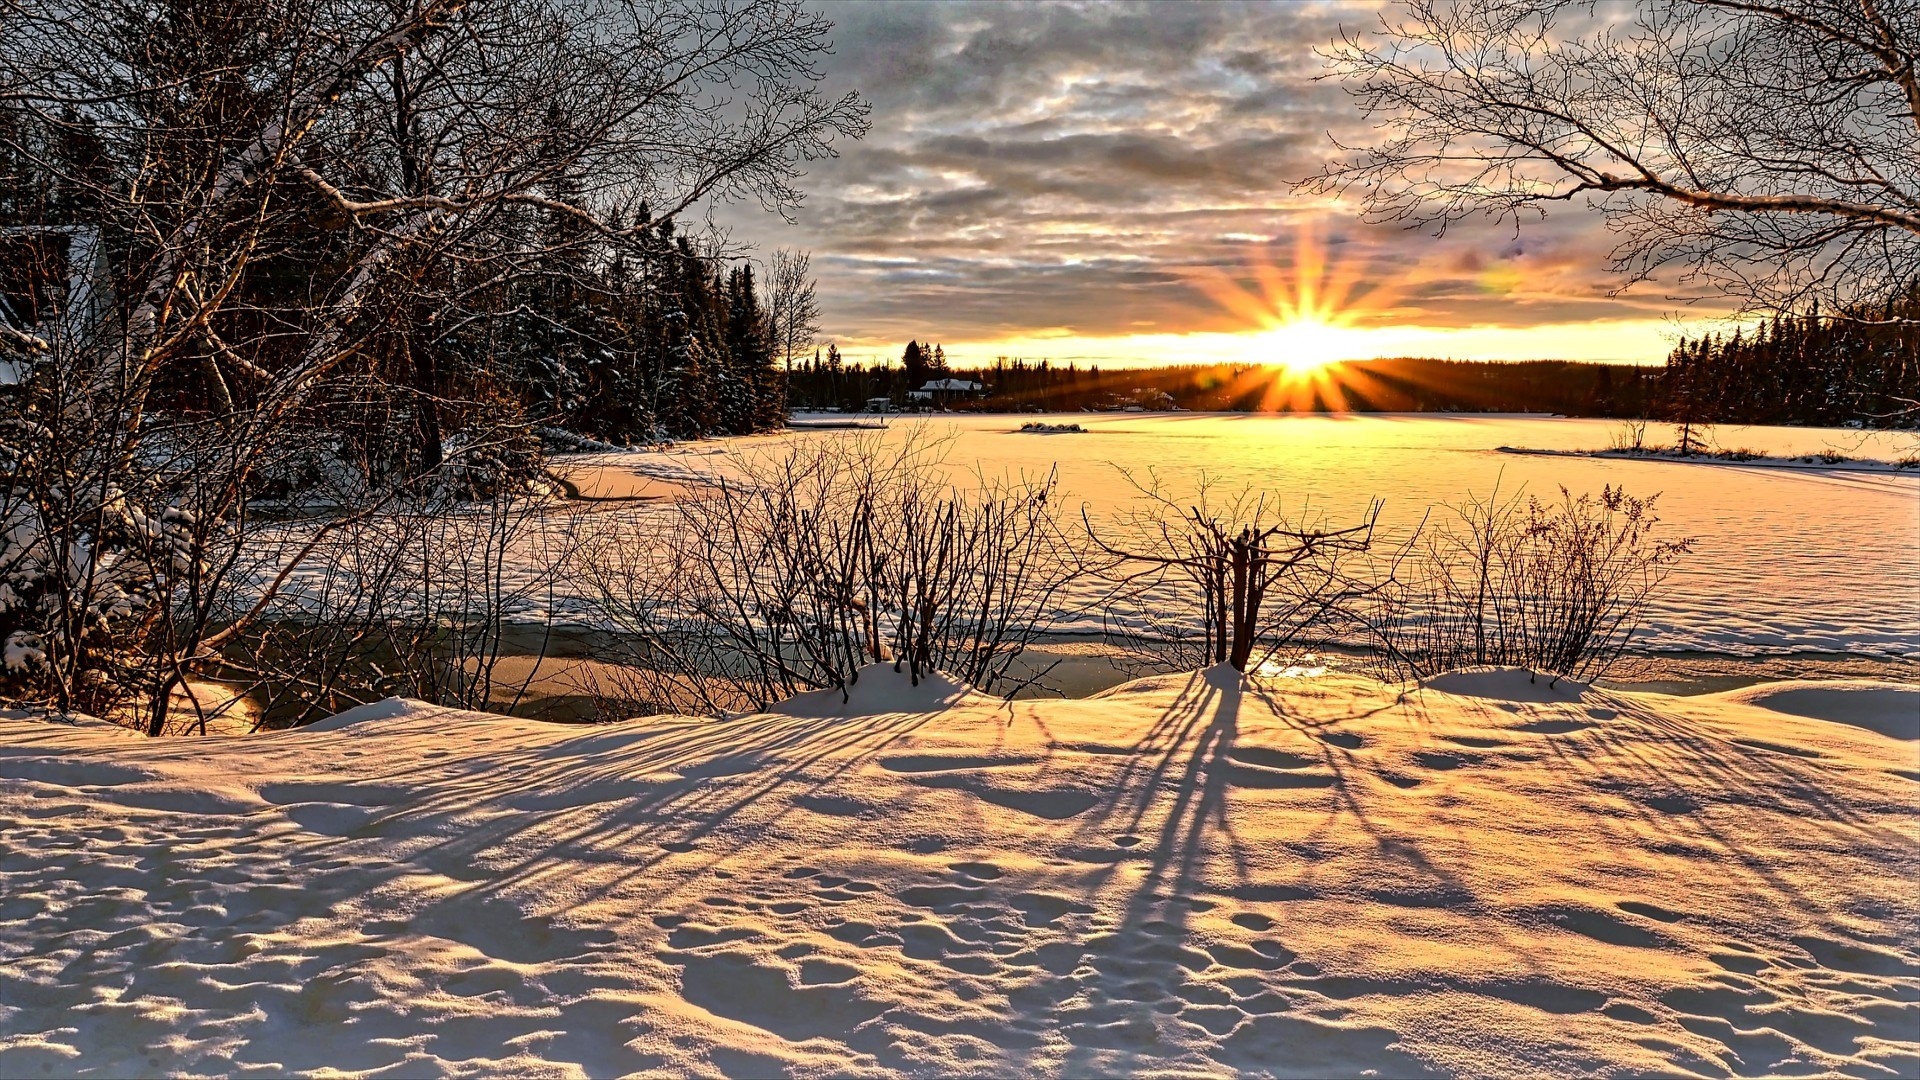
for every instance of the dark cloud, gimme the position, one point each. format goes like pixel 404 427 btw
pixel 1069 167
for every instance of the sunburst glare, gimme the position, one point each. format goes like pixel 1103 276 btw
pixel 1303 313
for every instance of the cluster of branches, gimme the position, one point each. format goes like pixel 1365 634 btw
pixel 804 566
pixel 1262 581
pixel 297 233
pixel 1557 587
pixel 1762 150
pixel 425 602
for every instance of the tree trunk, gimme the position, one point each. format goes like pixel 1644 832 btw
pixel 1221 609
pixel 1242 618
pixel 428 407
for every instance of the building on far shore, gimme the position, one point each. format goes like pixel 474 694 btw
pixel 945 392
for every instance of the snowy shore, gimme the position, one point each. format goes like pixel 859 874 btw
pixel 1489 875
pixel 1822 462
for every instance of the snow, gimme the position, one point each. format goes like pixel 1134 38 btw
pixel 881 689
pixel 1191 874
pixel 389 709
pixel 1829 462
pixel 1506 684
pixel 1891 709
pixel 22 652
pixel 1786 561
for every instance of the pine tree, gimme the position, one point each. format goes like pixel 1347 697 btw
pixel 558 325
pixel 686 392
pixel 754 398
pixel 914 361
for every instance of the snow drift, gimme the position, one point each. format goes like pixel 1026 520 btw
pixel 1890 709
pixel 1191 874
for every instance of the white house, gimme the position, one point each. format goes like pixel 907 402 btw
pixel 942 391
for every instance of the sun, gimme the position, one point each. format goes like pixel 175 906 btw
pixel 1302 345
pixel 1304 313
pixel 1302 310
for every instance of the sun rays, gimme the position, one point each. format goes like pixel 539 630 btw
pixel 1303 314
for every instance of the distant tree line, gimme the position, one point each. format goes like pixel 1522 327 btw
pixel 1863 367
pixel 1806 370
pixel 828 381
pixel 1405 385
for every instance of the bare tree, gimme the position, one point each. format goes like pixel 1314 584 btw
pixel 1763 149
pixel 1263 581
pixel 791 305
pixel 834 554
pixel 383 157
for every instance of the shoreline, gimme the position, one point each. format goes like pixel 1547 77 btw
pixel 561 685
pixel 1802 463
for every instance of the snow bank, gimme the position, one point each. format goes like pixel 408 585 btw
pixel 1193 874
pixel 1506 684
pixel 880 688
pixel 1891 709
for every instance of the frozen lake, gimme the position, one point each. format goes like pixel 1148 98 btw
pixel 1784 561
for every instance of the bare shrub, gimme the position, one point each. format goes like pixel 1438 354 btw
pixel 424 602
pixel 823 557
pixel 1263 580
pixel 1629 437
pixel 1557 587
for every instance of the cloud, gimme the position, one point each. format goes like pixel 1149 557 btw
pixel 1069 168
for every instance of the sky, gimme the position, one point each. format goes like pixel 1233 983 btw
pixel 1113 184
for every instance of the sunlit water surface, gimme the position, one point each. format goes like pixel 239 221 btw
pixel 1783 560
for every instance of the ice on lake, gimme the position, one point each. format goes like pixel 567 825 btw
pixel 1784 561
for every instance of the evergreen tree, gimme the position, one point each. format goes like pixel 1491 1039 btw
pixel 914 361
pixel 557 326
pixel 753 398
pixel 687 397
pixel 1807 369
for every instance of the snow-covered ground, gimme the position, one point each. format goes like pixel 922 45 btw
pixel 1188 874
pixel 1830 462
